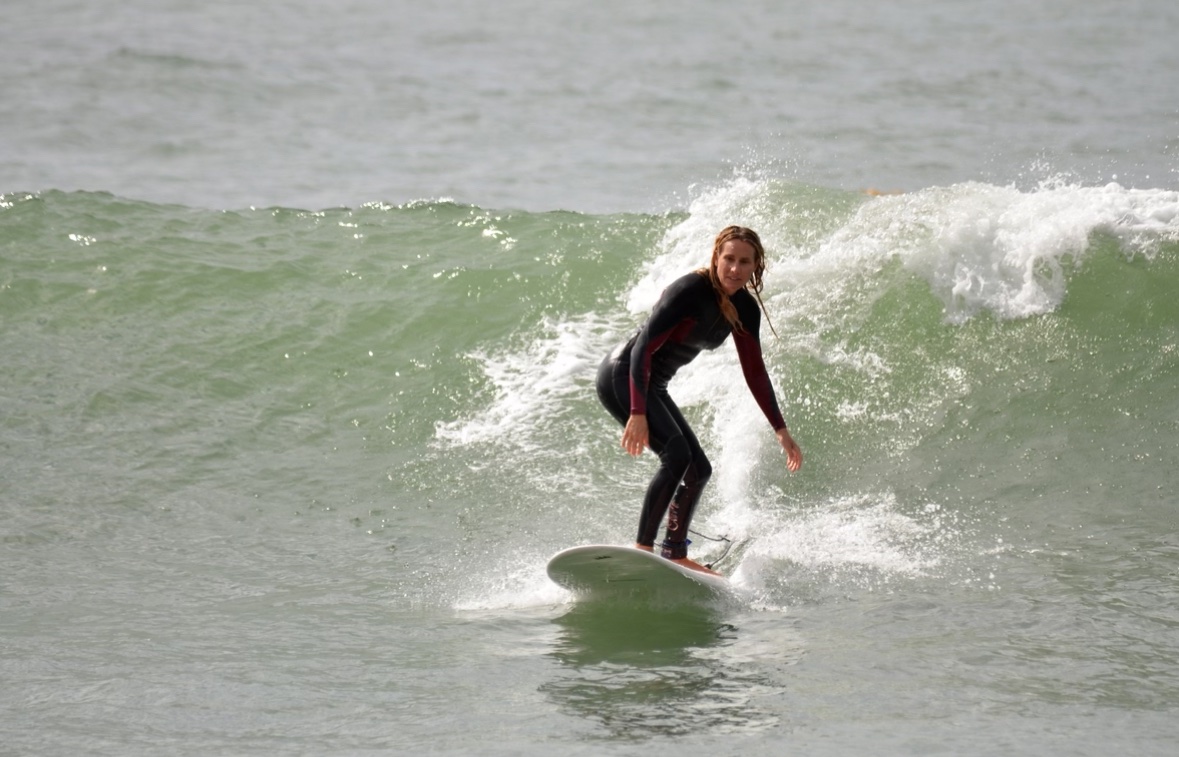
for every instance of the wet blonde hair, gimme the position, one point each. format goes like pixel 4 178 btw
pixel 750 237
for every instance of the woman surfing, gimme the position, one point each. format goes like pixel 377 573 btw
pixel 696 312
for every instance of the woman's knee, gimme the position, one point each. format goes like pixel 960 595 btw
pixel 689 465
pixel 676 456
pixel 700 470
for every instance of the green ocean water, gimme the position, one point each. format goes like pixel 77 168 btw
pixel 277 478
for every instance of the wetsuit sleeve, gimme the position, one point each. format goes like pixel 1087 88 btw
pixel 675 310
pixel 754 367
pixel 646 344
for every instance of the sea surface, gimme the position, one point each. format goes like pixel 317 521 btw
pixel 301 305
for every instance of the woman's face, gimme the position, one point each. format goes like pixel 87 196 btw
pixel 734 265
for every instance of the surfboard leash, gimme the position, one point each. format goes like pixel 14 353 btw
pixel 728 546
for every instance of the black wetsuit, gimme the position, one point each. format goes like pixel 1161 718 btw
pixel 633 380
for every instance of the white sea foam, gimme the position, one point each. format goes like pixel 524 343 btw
pixel 855 530
pixel 986 248
pixel 531 384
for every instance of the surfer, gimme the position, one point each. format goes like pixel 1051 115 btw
pixel 696 312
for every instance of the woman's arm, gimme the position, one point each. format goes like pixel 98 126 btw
pixel 758 379
pixel 677 306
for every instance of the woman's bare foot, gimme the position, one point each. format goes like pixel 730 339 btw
pixel 695 566
pixel 684 561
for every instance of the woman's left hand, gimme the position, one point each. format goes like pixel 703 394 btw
pixel 636 437
pixel 793 453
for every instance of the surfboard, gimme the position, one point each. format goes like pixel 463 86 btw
pixel 602 571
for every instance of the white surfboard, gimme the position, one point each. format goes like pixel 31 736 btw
pixel 602 571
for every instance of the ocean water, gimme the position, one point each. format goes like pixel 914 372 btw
pixel 300 308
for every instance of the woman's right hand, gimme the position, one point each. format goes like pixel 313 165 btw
pixel 793 453
pixel 635 436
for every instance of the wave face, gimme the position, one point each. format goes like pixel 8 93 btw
pixel 953 361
